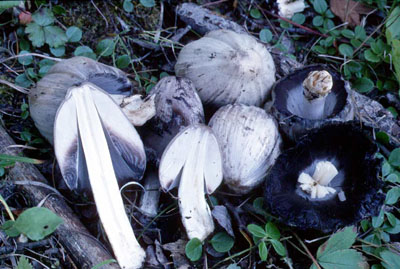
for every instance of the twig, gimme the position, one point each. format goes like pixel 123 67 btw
pixel 31 54
pixel 308 251
pixel 21 246
pixel 15 87
pixel 102 15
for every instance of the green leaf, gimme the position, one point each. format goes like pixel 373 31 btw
pixel 8 4
pixel 319 49
pixel 298 18
pixel 355 43
pixel 106 262
pixel 43 17
pixel 378 47
pixel 279 248
pixel 371 56
pixel 233 266
pixel 128 6
pixel 346 50
pixel 148 3
pixel 37 223
pixel 343 259
pixel 85 51
pixel 318 21
pixel 194 249
pixel 55 36
pixel 347 33
pixel 360 33
pixel 123 61
pixel 392 196
pixel 24 44
pixel 23 263
pixel 74 34
pixel 377 221
pixel 272 231
pixel 393 25
pixel 105 47
pixel 36 34
pixel 382 137
pixel 343 239
pixel 26 60
pixel 6 157
pixel 58 52
pixel 222 242
pixel 394 178
pixel 265 35
pixel 390 259
pixel 386 169
pixel 9 229
pixel 23 81
pixel 255 13
pixel 394 157
pixel 396 58
pixel 263 251
pixel 320 6
pixel 363 85
pixel 59 10
pixel 256 230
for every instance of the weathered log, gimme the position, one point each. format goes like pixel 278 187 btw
pixel 368 111
pixel 84 249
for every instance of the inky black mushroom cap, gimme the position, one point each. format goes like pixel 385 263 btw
pixel 353 154
pixel 338 106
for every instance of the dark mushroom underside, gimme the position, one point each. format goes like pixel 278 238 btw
pixel 353 154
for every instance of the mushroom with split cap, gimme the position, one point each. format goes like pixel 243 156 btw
pixel 227 67
pixel 250 143
pixel 192 161
pixel 94 141
pixel 309 98
pixel 46 97
pixel 330 179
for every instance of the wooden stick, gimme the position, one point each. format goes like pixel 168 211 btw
pixel 84 250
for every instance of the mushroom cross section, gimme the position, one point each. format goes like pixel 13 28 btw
pixel 92 137
pixel 193 161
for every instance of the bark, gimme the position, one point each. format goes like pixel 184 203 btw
pixel 84 249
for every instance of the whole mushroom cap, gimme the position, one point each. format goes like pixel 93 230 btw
pixel 356 185
pixel 292 117
pixel 227 67
pixel 46 97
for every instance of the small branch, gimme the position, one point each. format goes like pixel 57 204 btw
pixel 308 251
pixel 31 54
pixel 15 87
pixel 22 246
pixel 98 10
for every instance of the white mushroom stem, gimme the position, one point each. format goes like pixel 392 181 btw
pixel 317 86
pixel 136 109
pixel 193 154
pixel 287 8
pixel 151 195
pixel 80 111
pixel 317 185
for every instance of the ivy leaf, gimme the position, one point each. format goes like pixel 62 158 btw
pixel 74 34
pixel 222 242
pixel 256 230
pixel 36 34
pixel 194 249
pixel 37 223
pixel 263 251
pixel 43 17
pixel 390 259
pixel 54 36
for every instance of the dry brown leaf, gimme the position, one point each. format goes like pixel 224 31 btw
pixel 349 11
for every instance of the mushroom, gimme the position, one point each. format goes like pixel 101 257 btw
pixel 287 8
pixel 250 143
pixel 310 97
pixel 330 179
pixel 46 97
pixel 193 161
pixel 227 67
pixel 93 140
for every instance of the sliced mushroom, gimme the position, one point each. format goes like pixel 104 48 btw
pixel 93 140
pixel 309 98
pixel 193 161
pixel 344 187
pixel 250 143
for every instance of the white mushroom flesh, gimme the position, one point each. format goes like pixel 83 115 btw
pixel 317 185
pixel 82 118
pixel 287 8
pixel 193 160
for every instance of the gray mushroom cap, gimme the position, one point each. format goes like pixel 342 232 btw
pixel 286 103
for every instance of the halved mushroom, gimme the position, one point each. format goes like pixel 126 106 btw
pixel 193 161
pixel 93 142
pixel 227 67
pixel 310 97
pixel 344 186
pixel 250 143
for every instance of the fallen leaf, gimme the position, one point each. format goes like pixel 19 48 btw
pixel 349 11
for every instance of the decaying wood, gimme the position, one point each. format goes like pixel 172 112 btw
pixel 368 111
pixel 85 251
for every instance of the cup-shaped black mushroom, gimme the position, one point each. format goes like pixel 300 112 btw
pixel 329 180
pixel 310 97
